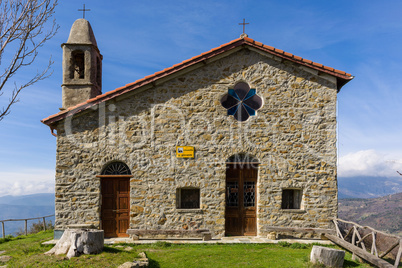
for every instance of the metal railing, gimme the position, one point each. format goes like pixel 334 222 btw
pixel 26 223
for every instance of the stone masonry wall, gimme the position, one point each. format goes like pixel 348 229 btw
pixel 293 136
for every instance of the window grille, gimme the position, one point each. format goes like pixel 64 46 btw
pixel 116 168
pixel 249 194
pixel 188 198
pixel 291 198
pixel 232 194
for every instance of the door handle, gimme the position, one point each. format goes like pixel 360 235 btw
pixel 115 210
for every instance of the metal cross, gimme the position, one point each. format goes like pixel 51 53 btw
pixel 83 11
pixel 244 24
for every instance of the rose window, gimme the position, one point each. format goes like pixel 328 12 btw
pixel 241 101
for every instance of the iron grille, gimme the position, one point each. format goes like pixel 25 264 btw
pixel 116 168
pixel 249 194
pixel 232 194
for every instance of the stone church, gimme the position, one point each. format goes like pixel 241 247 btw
pixel 237 141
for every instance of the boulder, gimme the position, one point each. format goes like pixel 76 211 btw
pixel 142 261
pixel 328 256
pixel 128 265
pixel 5 258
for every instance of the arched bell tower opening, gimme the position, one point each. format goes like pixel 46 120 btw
pixel 77 65
pixel 82 65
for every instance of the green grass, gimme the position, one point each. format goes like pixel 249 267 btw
pixel 27 251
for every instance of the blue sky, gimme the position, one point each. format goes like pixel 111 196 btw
pixel 138 38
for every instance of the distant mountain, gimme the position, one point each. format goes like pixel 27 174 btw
pixel 23 207
pixel 368 187
pixel 382 213
pixel 32 200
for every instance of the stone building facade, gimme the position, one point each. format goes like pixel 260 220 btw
pixel 260 123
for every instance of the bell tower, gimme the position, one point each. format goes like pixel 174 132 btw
pixel 82 65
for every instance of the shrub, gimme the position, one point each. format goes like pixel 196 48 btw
pixel 284 244
pixel 6 239
pixel 296 245
pixel 299 246
pixel 36 227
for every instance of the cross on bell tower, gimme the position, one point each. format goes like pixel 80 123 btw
pixel 83 11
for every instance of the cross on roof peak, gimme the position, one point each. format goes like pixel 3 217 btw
pixel 244 23
pixel 83 11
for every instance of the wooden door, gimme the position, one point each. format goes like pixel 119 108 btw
pixel 241 200
pixel 115 209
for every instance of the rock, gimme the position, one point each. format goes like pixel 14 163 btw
pixel 271 235
pixel 5 258
pixel 328 256
pixel 128 265
pixel 143 262
pixel 206 236
pixel 76 242
pixel 128 248
pixel 2 252
pixel 134 237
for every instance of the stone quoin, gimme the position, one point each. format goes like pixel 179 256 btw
pixel 261 122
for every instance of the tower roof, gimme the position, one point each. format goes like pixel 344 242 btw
pixel 81 33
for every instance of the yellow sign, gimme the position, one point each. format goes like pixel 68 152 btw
pixel 184 151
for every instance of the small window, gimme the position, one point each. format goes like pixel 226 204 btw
pixel 291 198
pixel 188 198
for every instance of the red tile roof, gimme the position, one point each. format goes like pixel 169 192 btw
pixel 342 77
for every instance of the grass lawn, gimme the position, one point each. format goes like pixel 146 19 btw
pixel 27 251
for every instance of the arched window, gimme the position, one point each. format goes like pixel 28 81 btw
pixel 116 168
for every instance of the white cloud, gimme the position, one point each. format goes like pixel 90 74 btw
pixel 28 181
pixel 369 163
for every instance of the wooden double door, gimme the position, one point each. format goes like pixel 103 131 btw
pixel 241 200
pixel 115 208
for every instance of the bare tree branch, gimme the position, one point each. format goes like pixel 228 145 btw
pixel 22 31
pixel 399 173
